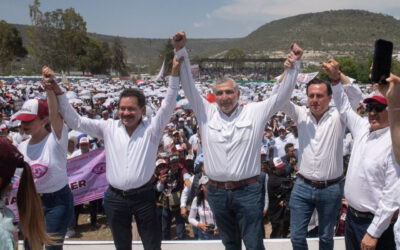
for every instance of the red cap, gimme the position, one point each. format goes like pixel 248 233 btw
pixel 378 98
pixel 31 109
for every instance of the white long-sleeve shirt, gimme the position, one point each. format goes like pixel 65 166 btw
pixel 231 144
pixel 130 159
pixel 371 173
pixel 204 212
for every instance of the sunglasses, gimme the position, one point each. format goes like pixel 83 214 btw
pixel 377 107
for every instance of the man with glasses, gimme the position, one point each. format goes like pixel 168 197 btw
pixel 371 172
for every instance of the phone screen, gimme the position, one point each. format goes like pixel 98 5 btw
pixel 382 61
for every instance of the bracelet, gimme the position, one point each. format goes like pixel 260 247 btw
pixel 393 109
pixel 48 88
pixel 336 81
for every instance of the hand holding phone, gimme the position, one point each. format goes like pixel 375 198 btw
pixel 382 61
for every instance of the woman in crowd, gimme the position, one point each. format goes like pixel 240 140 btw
pixel 29 206
pixel 201 209
pixel 46 152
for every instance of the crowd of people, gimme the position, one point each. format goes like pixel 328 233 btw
pixel 313 160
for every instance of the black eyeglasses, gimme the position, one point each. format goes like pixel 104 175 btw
pixel 377 107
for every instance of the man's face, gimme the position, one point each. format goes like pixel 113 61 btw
pixel 282 133
pixel 318 99
pixel 174 166
pixel 84 147
pixel 226 96
pixel 377 120
pixel 291 152
pixel 105 115
pixel 175 138
pixel 181 124
pixel 130 112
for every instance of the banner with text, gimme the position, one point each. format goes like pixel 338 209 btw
pixel 87 179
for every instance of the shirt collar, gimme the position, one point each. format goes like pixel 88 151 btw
pixel 326 114
pixel 233 115
pixel 378 133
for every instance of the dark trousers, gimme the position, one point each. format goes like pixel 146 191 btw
pixel 120 208
pixel 355 229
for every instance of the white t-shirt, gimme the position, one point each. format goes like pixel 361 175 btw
pixel 48 161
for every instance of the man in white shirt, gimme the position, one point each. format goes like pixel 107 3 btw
pixel 281 141
pixel 231 140
pixel 131 146
pixel 320 164
pixel 371 173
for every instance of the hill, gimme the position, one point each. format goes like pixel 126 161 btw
pixel 322 34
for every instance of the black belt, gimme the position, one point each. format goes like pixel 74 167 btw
pixel 233 184
pixel 320 184
pixel 363 215
pixel 133 191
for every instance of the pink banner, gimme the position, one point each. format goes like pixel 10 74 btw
pixel 87 179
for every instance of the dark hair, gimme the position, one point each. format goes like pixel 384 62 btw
pixel 319 81
pixel 131 92
pixel 287 146
pixel 200 196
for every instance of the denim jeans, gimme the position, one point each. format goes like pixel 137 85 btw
pixel 303 200
pixel 206 236
pixel 120 209
pixel 166 223
pixel 355 229
pixel 58 208
pixel 238 215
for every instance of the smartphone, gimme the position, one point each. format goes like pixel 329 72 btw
pixel 382 61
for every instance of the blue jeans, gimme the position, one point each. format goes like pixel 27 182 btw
pixel 238 215
pixel 58 208
pixel 120 208
pixel 206 236
pixel 303 200
pixel 355 229
pixel 166 223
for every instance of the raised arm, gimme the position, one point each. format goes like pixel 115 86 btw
pixel 73 119
pixel 55 119
pixel 198 103
pixel 282 96
pixel 354 122
pixel 163 115
pixel 392 94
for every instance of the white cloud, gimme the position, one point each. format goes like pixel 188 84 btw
pixel 261 10
pixel 198 24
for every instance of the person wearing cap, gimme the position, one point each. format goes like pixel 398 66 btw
pixel 206 224
pixel 320 162
pixel 4 131
pixel 231 140
pixel 392 93
pixel 181 126
pixel 31 218
pixel 46 152
pixel 171 184
pixel 131 148
pixel 371 172
pixel 278 194
pixel 281 141
pixel 84 147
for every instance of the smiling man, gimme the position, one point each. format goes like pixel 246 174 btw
pixel 320 162
pixel 231 140
pixel 131 146
pixel 370 176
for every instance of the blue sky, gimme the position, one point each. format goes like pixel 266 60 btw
pixel 199 18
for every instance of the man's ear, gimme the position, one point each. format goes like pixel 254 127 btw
pixel 143 110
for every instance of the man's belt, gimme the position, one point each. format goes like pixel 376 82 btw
pixel 363 215
pixel 233 184
pixel 133 191
pixel 320 184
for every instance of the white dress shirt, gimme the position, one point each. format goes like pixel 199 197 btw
pixel 130 159
pixel 320 152
pixel 280 145
pixel 231 144
pixel 371 173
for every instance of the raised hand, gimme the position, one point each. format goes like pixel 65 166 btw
pixel 331 68
pixel 48 77
pixel 296 51
pixel 391 91
pixel 179 40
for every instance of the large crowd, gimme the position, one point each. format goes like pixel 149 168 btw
pixel 186 156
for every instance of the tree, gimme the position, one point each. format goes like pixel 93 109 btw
pixel 11 46
pixel 118 57
pixel 166 54
pixel 96 57
pixel 58 37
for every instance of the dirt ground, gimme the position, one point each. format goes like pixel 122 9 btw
pixel 102 232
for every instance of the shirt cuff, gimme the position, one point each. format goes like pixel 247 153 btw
pixel 181 53
pixel 174 82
